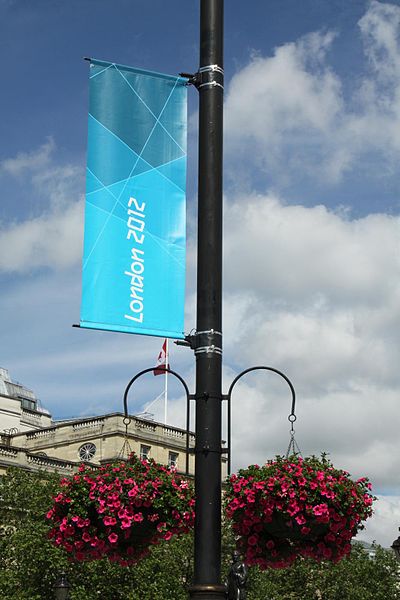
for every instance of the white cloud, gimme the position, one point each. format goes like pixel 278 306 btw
pixel 289 111
pixel 52 239
pixel 272 96
pixel 383 527
pixel 317 296
pixel 380 29
pixel 29 161
pixel 304 253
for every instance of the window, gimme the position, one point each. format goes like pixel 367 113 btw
pixel 144 452
pixel 28 404
pixel 173 459
pixel 87 451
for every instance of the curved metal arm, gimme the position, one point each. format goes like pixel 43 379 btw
pixel 183 382
pixel 291 417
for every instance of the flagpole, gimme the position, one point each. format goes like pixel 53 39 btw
pixel 166 382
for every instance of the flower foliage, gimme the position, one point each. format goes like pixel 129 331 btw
pixel 120 510
pixel 296 507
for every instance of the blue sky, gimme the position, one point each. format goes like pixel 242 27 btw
pixel 312 202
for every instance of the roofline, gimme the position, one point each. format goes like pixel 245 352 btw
pixel 67 422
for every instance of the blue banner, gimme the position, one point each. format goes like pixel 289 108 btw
pixel 135 215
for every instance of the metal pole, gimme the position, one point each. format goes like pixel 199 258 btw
pixel 166 382
pixel 208 338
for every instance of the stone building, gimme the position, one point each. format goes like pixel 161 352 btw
pixel 64 445
pixel 30 439
pixel 19 408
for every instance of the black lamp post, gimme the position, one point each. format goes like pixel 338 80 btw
pixel 396 547
pixel 208 338
pixel 61 588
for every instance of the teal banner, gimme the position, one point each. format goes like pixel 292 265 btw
pixel 133 277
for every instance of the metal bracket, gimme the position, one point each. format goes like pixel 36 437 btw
pixel 208 350
pixel 207 76
pixel 206 342
pixel 211 76
pixel 206 449
pixel 206 396
pixel 228 396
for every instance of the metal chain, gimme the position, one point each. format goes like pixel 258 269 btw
pixel 126 447
pixel 293 448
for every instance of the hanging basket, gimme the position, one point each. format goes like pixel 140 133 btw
pixel 120 510
pixel 294 507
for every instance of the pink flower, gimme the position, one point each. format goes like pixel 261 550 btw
pixel 113 538
pixel 154 517
pixel 253 540
pixel 138 517
pixel 125 523
pixel 320 509
pixel 300 520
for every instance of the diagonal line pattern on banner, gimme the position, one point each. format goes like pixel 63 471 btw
pixel 104 210
pixel 142 159
pixel 100 72
pixel 105 187
pixel 130 174
pixel 155 238
pixel 149 109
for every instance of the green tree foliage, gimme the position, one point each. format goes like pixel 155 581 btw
pixel 29 564
pixel 357 577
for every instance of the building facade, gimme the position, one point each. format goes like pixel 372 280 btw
pixel 30 439
pixel 20 410
pixel 97 440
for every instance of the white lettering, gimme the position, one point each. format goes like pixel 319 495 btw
pixel 136 306
pixel 136 223
pixel 139 208
pixel 135 252
pixel 137 319
pixel 137 267
pixel 134 220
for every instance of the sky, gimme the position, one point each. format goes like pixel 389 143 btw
pixel 311 229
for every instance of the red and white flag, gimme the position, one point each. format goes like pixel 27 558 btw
pixel 162 360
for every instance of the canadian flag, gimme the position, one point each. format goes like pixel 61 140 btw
pixel 162 360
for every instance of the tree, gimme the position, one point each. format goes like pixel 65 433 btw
pixel 357 577
pixel 30 564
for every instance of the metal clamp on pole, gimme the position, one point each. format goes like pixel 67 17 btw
pixel 208 76
pixel 209 341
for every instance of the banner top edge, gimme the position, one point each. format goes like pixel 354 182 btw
pixel 106 63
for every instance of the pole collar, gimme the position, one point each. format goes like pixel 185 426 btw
pixel 207 76
pixel 206 342
pixel 207 592
pixel 208 350
pixel 212 69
